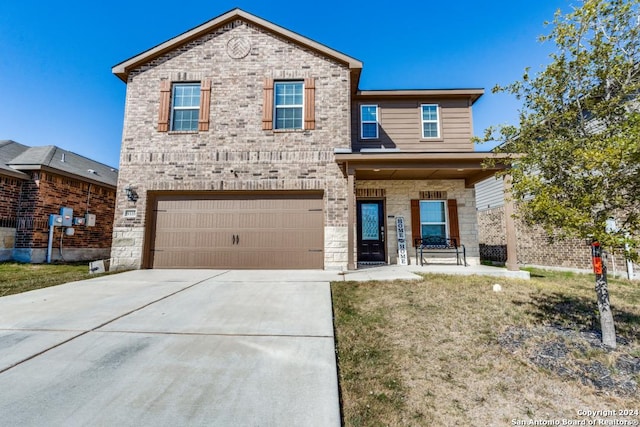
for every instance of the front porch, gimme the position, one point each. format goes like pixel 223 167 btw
pixel 427 193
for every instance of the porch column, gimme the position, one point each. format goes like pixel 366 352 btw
pixel 512 242
pixel 351 217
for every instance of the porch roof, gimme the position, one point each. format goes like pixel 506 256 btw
pixel 395 165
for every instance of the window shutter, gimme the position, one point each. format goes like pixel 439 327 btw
pixel 309 104
pixel 165 99
pixel 267 105
pixel 205 103
pixel 454 229
pixel 415 220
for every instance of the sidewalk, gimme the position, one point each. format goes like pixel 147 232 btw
pixel 408 272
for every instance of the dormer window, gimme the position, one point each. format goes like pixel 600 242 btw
pixel 369 121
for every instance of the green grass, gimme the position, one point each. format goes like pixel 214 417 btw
pixel 444 350
pixel 16 278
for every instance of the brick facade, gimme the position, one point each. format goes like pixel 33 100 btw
pixel 235 153
pixel 9 197
pixel 45 193
pixel 534 245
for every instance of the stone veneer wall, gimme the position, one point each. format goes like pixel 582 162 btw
pixel 7 241
pixel 534 245
pixel 398 203
pixel 235 154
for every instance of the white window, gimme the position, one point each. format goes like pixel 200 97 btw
pixel 433 218
pixel 430 121
pixel 185 106
pixel 369 121
pixel 288 105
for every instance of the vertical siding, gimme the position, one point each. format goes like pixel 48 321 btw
pixel 401 125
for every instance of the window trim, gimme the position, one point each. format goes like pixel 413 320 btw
pixel 300 106
pixel 445 212
pixel 173 107
pixel 363 122
pixel 436 121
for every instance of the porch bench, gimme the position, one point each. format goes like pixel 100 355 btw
pixel 435 244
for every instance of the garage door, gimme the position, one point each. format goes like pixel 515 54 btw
pixel 247 231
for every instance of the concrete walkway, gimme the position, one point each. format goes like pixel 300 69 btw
pixel 171 348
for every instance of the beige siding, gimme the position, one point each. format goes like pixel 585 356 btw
pixel 401 125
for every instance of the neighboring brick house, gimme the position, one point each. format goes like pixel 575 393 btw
pixel 38 181
pixel 250 146
pixel 534 245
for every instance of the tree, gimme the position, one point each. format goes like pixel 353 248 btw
pixel 579 133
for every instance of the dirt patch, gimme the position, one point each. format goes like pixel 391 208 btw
pixel 578 355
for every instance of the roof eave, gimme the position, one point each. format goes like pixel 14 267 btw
pixel 471 93
pixel 122 69
pixel 13 173
pixel 418 156
pixel 64 173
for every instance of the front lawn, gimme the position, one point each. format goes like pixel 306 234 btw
pixel 448 350
pixel 16 278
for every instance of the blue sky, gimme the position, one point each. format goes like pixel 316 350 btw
pixel 56 85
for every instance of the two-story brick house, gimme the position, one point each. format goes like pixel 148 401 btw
pixel 251 146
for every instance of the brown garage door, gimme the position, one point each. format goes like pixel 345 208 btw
pixel 238 231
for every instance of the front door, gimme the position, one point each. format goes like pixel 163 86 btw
pixel 370 231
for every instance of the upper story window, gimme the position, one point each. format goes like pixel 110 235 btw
pixel 185 106
pixel 430 121
pixel 369 121
pixel 288 105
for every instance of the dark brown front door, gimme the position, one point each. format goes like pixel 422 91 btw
pixel 370 231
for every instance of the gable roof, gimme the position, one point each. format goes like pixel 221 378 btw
pixel 123 69
pixel 16 158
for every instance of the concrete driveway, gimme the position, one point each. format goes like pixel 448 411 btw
pixel 171 348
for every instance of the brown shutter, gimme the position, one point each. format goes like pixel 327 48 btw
pixel 267 105
pixel 205 102
pixel 309 104
pixel 454 229
pixel 165 106
pixel 415 220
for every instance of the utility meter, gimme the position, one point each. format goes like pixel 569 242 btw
pixel 67 217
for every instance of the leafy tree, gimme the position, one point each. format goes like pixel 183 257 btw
pixel 579 133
